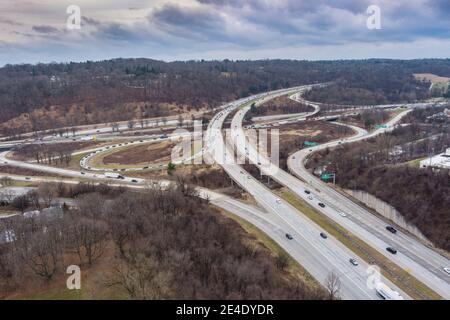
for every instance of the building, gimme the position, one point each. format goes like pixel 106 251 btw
pixel 440 161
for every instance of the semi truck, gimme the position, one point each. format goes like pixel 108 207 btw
pixel 387 293
pixel 113 175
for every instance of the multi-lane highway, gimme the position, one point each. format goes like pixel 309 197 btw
pixel 320 256
pixel 422 262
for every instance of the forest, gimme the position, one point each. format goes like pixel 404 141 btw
pixel 120 89
pixel 157 244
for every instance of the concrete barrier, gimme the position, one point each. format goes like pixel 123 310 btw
pixel 387 211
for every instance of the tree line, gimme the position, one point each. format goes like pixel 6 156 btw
pixel 116 89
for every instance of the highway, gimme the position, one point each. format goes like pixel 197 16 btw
pixel 320 257
pixel 422 262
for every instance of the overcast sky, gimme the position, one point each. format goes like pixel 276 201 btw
pixel 36 30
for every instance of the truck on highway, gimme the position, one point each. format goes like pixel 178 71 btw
pixel 387 293
pixel 113 175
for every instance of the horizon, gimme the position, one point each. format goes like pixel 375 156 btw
pixel 219 60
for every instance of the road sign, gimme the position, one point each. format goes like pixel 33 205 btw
pixel 381 126
pixel 310 143
pixel 326 176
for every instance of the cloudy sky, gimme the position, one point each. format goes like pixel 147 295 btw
pixel 36 30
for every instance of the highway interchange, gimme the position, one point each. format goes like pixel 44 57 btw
pixel 276 217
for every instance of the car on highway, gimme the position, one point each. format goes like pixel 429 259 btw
pixel 278 200
pixel 447 270
pixel 391 250
pixel 249 177
pixel 82 172
pixel 353 261
pixel 310 198
pixel 342 214
pixel 321 205
pixel 323 235
pixel 289 236
pixel 27 178
pixel 134 180
pixel 391 229
pixel 293 157
pixel 307 191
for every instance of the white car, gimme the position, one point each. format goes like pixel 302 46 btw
pixel 342 214
pixel 447 270
pixel 310 198
pixel 353 262
pixel 278 200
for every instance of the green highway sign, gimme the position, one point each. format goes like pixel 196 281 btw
pixel 381 126
pixel 326 176
pixel 310 143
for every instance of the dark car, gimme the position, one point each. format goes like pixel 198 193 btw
pixel 120 177
pixel 323 235
pixel 134 180
pixel 391 250
pixel 391 229
pixel 307 191
pixel 321 205
pixel 289 236
pixel 82 172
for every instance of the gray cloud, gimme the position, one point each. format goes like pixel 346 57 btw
pixel 195 27
pixel 45 29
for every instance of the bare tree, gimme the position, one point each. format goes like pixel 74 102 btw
pixel 39 244
pixel 333 285
pixel 87 237
pixel 142 278
pixel 88 232
pixel 47 192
